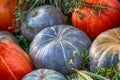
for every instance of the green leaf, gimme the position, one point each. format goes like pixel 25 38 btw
pixel 117 76
pixel 84 75
pixel 97 77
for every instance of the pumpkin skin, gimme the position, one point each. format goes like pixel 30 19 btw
pixel 5 35
pixel 105 49
pixel 44 74
pixel 119 0
pixel 7 17
pixel 14 62
pixel 94 22
pixel 40 18
pixel 53 47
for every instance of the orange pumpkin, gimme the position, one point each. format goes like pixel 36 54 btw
pixel 96 16
pixel 7 16
pixel 14 62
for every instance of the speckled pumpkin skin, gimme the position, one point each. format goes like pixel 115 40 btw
pixel 44 74
pixel 105 50
pixel 53 47
pixel 5 35
pixel 40 18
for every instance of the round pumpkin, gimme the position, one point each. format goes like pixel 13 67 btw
pixel 14 62
pixel 44 74
pixel 96 16
pixel 40 18
pixel 7 14
pixel 53 48
pixel 105 49
pixel 5 35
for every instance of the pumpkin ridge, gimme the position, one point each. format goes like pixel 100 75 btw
pixel 111 20
pixel 27 61
pixel 72 45
pixel 103 55
pixel 43 55
pixel 12 74
pixel 78 40
pixel 54 31
pixel 116 33
pixel 64 55
pixel 63 31
pixel 25 56
pixel 108 37
pixel 47 35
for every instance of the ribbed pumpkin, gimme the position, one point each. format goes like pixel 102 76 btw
pixel 44 74
pixel 7 10
pixel 105 50
pixel 53 48
pixel 40 18
pixel 96 16
pixel 5 35
pixel 14 62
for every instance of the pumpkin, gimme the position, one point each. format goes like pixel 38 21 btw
pixel 40 18
pixel 5 35
pixel 53 48
pixel 105 49
pixel 44 74
pixel 14 62
pixel 7 16
pixel 96 16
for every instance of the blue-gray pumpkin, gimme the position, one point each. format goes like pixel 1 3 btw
pixel 44 74
pixel 5 35
pixel 105 50
pixel 53 48
pixel 40 18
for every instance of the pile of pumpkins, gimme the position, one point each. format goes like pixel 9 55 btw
pixel 54 43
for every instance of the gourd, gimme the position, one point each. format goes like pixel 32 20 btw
pixel 96 16
pixel 53 48
pixel 44 74
pixel 5 35
pixel 105 49
pixel 40 18
pixel 7 14
pixel 14 62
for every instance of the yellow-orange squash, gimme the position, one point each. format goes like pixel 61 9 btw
pixel 14 62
